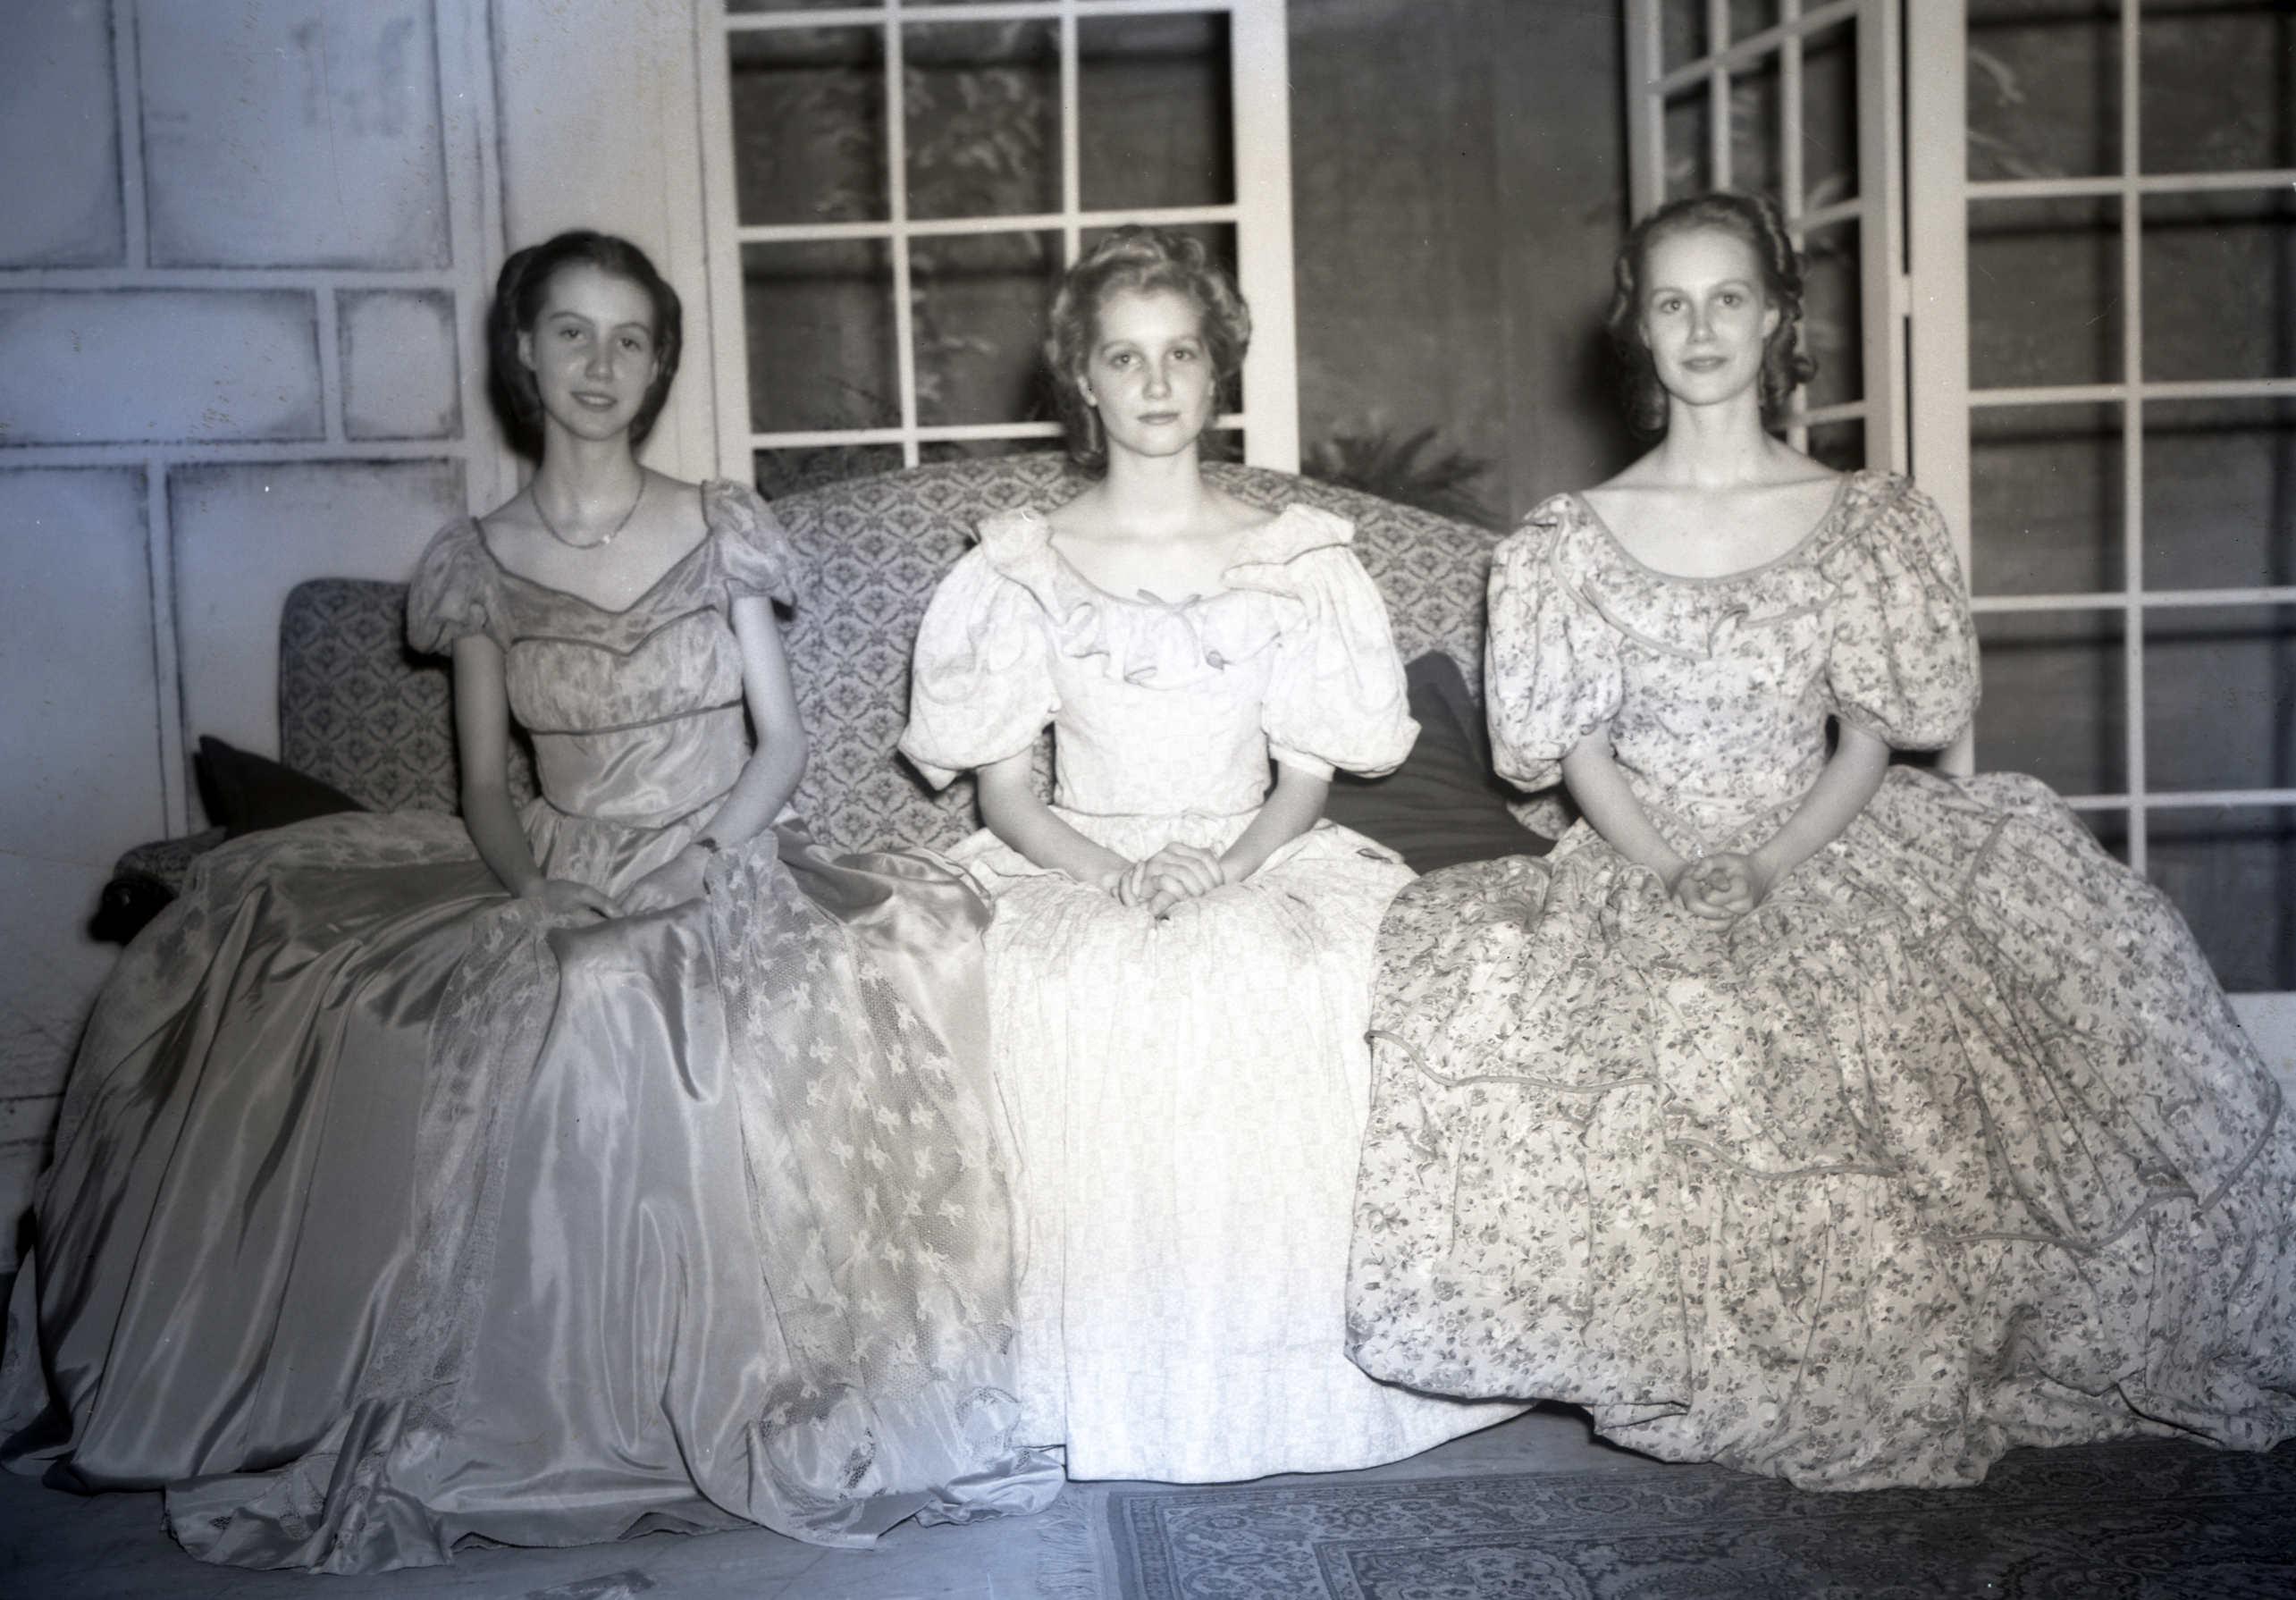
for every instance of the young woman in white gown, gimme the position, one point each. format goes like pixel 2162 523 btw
pixel 1179 954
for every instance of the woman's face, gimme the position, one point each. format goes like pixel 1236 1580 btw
pixel 1149 372
pixel 592 351
pixel 1704 315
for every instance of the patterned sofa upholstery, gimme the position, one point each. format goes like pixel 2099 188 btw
pixel 359 711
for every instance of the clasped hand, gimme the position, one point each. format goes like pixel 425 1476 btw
pixel 1723 888
pixel 1174 873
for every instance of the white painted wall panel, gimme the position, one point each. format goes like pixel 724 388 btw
pixel 60 199
pixel 400 378
pixel 292 133
pixel 139 366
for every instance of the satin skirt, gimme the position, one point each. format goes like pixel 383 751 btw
pixel 385 1211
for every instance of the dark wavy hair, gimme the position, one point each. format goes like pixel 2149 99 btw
pixel 1755 218
pixel 1140 260
pixel 518 301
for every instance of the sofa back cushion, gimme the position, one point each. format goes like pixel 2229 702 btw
pixel 360 711
pixel 871 550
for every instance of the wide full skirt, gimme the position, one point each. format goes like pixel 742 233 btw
pixel 385 1211
pixel 1188 1095
pixel 1951 1145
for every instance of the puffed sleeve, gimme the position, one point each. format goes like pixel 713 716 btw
pixel 457 591
pixel 1336 696
pixel 1550 669
pixel 754 551
pixel 1904 663
pixel 980 686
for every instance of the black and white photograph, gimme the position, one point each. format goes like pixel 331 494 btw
pixel 1148 799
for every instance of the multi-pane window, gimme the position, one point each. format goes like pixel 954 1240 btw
pixel 908 181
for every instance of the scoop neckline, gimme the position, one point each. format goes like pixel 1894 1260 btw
pixel 1825 520
pixel 1144 600
pixel 709 533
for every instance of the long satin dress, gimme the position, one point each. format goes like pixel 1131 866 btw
pixel 1951 1145
pixel 1188 1094
pixel 383 1211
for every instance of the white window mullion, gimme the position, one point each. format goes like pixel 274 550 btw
pixel 896 200
pixel 1071 140
pixel 2133 436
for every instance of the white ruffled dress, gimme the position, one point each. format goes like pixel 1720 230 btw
pixel 1188 1095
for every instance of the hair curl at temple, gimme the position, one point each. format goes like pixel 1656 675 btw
pixel 1753 218
pixel 1137 260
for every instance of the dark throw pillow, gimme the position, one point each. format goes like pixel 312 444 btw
pixel 250 793
pixel 1444 806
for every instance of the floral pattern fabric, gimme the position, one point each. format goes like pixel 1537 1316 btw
pixel 1951 1145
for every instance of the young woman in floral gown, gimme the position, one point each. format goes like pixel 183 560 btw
pixel 1815 1114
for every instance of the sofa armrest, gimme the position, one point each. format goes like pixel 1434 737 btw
pixel 144 880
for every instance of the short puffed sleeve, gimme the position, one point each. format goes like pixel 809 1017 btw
pixel 754 551
pixel 457 593
pixel 980 686
pixel 1550 669
pixel 1904 661
pixel 1336 695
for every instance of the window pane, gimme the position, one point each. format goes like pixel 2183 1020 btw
pixel 2232 873
pixel 1840 445
pixel 1749 17
pixel 2232 59
pixel 1682 31
pixel 983 118
pixel 1832 327
pixel 821 351
pixel 2220 495
pixel 973 450
pixel 1758 128
pixel 2046 489
pixel 1830 117
pixel 2044 88
pixel 2044 292
pixel 980 304
pixel 1689 167
pixel 2220 698
pixel 809 125
pixel 2220 285
pixel 2053 704
pixel 784 472
pixel 1154 123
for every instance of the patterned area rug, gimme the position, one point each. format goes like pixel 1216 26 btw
pixel 2145 1521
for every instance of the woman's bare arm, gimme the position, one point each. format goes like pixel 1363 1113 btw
pixel 767 780
pixel 1010 806
pixel 1591 771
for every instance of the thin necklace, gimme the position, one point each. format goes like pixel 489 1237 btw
pixel 594 543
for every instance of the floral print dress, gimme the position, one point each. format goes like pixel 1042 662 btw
pixel 1951 1145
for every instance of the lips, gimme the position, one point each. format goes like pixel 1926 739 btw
pixel 596 401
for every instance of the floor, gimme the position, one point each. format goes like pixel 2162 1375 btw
pixel 59 1546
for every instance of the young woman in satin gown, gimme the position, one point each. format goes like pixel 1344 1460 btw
pixel 1818 1116
pixel 625 1164
pixel 1178 960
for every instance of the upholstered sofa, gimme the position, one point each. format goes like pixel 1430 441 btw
pixel 360 713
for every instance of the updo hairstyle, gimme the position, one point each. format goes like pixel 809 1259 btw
pixel 518 301
pixel 1753 218
pixel 1139 260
